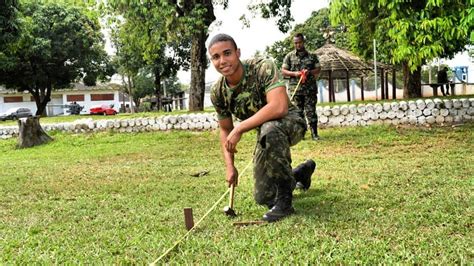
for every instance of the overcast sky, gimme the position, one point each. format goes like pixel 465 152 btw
pixel 262 33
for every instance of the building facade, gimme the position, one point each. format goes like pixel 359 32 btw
pixel 87 96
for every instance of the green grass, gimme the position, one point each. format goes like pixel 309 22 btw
pixel 380 195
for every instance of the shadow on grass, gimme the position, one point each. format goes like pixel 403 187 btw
pixel 329 205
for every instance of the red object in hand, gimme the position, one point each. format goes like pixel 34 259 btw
pixel 303 75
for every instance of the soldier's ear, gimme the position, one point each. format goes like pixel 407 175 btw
pixel 238 52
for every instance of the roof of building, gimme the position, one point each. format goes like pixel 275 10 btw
pixel 338 61
pixel 75 87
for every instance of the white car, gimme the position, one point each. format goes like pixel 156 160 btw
pixel 15 113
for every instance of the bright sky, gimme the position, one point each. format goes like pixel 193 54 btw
pixel 262 33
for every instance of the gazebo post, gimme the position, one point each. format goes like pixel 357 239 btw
pixel 331 88
pixel 394 84
pixel 362 88
pixel 347 86
pixel 386 84
pixel 382 83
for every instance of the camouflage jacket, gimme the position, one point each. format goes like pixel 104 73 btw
pixel 249 96
pixel 296 62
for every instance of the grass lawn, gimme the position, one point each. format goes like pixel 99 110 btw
pixel 381 194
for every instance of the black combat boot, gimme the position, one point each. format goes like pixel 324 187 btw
pixel 283 205
pixel 302 174
pixel 314 131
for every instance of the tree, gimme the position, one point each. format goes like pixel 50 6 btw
pixel 409 33
pixel 9 29
pixel 313 29
pixel 172 85
pixel 193 19
pixel 143 85
pixel 144 34
pixel 58 45
pixel 129 57
pixel 279 9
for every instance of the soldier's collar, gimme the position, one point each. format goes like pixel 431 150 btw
pixel 242 79
pixel 302 53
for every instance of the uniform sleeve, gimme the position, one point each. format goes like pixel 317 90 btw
pixel 316 61
pixel 218 100
pixel 270 75
pixel 286 62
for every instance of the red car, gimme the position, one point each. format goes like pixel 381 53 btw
pixel 102 110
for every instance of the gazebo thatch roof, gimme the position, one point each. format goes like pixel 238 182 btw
pixel 339 61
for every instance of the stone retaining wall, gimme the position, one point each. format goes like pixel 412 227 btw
pixel 419 112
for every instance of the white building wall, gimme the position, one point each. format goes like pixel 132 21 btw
pixel 26 103
pixel 55 106
pixel 207 100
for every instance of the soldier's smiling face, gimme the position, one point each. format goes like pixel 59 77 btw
pixel 225 57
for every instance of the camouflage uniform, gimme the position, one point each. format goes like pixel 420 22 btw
pixel 306 96
pixel 272 158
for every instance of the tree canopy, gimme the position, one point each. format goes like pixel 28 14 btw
pixel 58 45
pixel 9 29
pixel 313 29
pixel 409 33
pixel 143 37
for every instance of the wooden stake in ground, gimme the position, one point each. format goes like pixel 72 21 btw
pixel 31 133
pixel 188 218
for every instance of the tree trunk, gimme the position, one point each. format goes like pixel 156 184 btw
pixel 137 103
pixel 411 82
pixel 31 133
pixel 42 97
pixel 198 56
pixel 130 93
pixel 198 72
pixel 158 88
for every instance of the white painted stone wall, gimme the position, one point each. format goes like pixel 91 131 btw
pixel 419 112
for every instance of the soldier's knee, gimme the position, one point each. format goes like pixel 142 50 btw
pixel 272 129
pixel 268 126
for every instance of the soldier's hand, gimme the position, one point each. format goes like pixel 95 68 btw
pixel 303 75
pixel 232 139
pixel 232 176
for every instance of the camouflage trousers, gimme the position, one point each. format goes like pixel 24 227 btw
pixel 307 103
pixel 272 158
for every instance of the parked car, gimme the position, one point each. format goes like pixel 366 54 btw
pixel 74 109
pixel 103 110
pixel 15 113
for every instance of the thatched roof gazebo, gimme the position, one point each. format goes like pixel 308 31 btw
pixel 338 63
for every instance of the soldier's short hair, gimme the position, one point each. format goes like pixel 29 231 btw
pixel 299 35
pixel 222 37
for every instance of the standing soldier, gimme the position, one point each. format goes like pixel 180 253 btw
pixel 302 67
pixel 443 80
